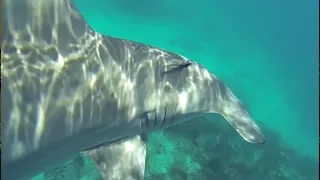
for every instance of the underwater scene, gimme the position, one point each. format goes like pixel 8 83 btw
pixel 267 52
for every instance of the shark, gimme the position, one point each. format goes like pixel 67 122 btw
pixel 67 89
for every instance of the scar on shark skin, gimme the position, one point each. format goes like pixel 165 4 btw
pixel 176 68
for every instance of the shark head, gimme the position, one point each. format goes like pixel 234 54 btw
pixel 179 90
pixel 68 89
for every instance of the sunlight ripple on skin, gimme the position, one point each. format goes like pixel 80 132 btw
pixel 70 89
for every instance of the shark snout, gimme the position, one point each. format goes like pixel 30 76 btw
pixel 245 126
pixel 252 133
pixel 237 115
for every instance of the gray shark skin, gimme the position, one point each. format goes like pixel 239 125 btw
pixel 67 89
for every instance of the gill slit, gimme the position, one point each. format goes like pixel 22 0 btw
pixel 155 119
pixel 172 117
pixel 146 117
pixel 147 120
pixel 164 117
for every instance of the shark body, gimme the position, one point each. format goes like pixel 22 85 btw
pixel 67 89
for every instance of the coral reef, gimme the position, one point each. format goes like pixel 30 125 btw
pixel 207 149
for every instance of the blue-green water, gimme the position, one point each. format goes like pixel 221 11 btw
pixel 267 52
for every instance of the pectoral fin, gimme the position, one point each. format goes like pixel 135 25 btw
pixel 123 160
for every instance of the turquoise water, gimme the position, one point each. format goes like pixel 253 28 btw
pixel 266 52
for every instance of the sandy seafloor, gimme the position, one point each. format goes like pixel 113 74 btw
pixel 266 52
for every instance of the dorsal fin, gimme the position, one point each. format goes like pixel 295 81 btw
pixel 56 23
